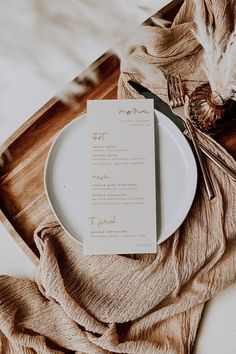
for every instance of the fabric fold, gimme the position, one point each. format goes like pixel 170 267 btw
pixel 132 304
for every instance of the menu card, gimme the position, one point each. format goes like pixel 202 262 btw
pixel 121 197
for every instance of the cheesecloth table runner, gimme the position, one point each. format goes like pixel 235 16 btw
pixel 144 303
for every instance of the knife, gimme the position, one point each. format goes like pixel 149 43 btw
pixel 164 108
pixel 159 104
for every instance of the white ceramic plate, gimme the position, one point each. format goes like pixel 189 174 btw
pixel 65 177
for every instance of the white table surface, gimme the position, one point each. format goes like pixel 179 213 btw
pixel 30 90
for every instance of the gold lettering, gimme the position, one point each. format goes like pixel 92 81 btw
pixel 133 111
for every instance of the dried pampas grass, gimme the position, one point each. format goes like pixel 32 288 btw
pixel 219 55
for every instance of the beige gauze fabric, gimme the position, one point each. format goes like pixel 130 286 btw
pixel 144 303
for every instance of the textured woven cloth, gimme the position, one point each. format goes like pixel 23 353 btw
pixel 132 304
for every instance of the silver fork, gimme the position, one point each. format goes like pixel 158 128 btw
pixel 177 99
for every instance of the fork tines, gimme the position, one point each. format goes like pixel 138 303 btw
pixel 176 91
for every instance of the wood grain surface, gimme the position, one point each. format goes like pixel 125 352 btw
pixel 23 203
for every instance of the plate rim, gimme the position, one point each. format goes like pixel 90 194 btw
pixel 184 142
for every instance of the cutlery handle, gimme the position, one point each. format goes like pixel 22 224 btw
pixel 217 160
pixel 220 163
pixel 205 174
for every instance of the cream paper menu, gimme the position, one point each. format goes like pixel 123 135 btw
pixel 121 209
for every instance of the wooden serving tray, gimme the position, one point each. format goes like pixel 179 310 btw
pixel 23 203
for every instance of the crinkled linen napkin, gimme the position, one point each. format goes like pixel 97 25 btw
pixel 138 304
